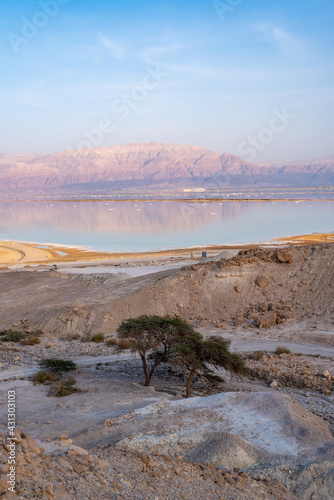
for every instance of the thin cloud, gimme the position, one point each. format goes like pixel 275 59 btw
pixel 112 47
pixel 149 54
pixel 275 35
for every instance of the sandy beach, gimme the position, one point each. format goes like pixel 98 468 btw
pixel 308 238
pixel 20 253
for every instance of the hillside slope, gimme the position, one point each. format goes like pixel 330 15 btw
pixel 257 288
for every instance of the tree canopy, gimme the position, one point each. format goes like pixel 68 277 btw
pixel 151 337
pixel 164 339
pixel 196 354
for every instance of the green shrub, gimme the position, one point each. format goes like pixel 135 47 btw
pixel 63 388
pixel 98 338
pixel 58 365
pixel 282 350
pixel 45 377
pixel 12 336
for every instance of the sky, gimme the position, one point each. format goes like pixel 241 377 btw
pixel 254 78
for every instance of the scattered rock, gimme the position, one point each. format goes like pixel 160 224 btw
pixel 267 320
pixel 289 371
pixel 80 313
pixel 284 256
pixel 108 317
pixel 262 282
pixel 274 384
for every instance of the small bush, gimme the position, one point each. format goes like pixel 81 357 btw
pixel 62 388
pixel 58 365
pixel 69 381
pixel 111 342
pixel 31 341
pixel 71 337
pixel 45 377
pixel 12 336
pixel 282 350
pixel 86 339
pixel 98 338
pixel 257 355
pixel 124 344
pixel 37 333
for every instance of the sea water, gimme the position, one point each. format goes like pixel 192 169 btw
pixel 143 226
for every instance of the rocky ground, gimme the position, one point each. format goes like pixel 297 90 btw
pixel 114 389
pixel 98 442
pixel 291 370
pixel 64 471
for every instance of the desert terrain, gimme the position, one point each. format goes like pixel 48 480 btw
pixel 268 435
pixel 167 250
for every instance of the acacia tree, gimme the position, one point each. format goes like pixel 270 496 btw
pixel 151 337
pixel 196 355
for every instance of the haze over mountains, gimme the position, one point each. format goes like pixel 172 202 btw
pixel 152 165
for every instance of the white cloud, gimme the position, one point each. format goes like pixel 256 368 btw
pixel 112 46
pixel 149 54
pixel 276 35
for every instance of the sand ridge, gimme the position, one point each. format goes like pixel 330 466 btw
pixel 16 252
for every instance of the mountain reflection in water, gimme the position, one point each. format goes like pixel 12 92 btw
pixel 130 226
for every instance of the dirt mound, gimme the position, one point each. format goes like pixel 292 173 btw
pixel 254 428
pixel 256 288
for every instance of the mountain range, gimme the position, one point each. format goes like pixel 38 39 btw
pixel 152 165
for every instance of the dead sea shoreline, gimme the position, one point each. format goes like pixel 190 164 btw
pixel 164 200
pixel 23 253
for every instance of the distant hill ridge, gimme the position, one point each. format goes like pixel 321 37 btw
pixel 152 165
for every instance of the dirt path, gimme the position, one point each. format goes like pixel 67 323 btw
pixel 271 345
pixel 84 361
pixel 236 346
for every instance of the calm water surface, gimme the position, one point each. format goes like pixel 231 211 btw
pixel 118 226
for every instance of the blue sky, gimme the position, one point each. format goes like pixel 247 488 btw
pixel 79 73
